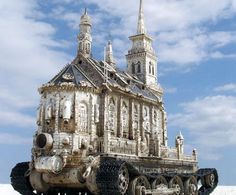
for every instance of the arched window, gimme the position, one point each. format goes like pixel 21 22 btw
pixel 145 112
pixel 155 119
pixel 83 117
pixel 88 48
pixel 133 68
pixel 139 67
pixel 125 117
pixel 146 119
pixel 150 67
pixel 48 112
pixel 111 118
pixel 80 46
pixel 136 122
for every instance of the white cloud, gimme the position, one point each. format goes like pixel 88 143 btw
pixel 231 87
pixel 11 139
pixel 170 90
pixel 16 118
pixel 186 49
pixel 29 56
pixel 182 39
pixel 210 121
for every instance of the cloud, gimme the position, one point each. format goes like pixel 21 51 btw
pixel 179 28
pixel 182 39
pixel 231 87
pixel 29 56
pixel 209 120
pixel 187 49
pixel 11 139
pixel 170 90
pixel 16 118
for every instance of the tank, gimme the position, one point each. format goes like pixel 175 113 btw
pixel 104 131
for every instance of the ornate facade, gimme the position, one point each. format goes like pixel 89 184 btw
pixel 103 131
pixel 106 109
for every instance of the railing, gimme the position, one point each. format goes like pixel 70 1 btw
pixel 172 153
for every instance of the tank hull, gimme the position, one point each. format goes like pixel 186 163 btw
pixel 117 174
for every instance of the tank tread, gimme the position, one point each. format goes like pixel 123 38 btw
pixel 19 182
pixel 107 176
pixel 203 175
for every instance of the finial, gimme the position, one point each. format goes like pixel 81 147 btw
pixel 109 54
pixel 85 11
pixel 141 26
pixel 180 135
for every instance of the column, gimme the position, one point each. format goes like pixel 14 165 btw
pixel 107 132
pixel 76 112
pixel 57 113
pixel 131 129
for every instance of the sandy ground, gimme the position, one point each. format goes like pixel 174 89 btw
pixel 6 189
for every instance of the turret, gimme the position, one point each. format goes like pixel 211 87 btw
pixel 84 37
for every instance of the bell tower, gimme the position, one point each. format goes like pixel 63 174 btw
pixel 141 58
pixel 84 37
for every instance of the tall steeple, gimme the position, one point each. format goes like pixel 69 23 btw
pixel 141 58
pixel 85 37
pixel 141 25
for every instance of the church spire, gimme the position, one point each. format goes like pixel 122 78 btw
pixel 85 37
pixel 141 58
pixel 141 26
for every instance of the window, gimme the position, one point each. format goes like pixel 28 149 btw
pixel 139 67
pixel 83 116
pixel 145 112
pixel 133 68
pixel 150 67
pixel 111 113
pixel 48 112
pixel 153 72
pixel 88 48
pixel 155 118
pixel 146 119
pixel 135 117
pixel 80 46
pixel 125 117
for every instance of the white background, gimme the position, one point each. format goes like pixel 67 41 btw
pixel 221 190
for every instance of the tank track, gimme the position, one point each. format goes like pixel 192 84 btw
pixel 107 177
pixel 203 175
pixel 21 184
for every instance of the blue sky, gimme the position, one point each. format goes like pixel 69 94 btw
pixel 195 43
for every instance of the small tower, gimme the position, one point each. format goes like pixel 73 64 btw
pixel 84 37
pixel 141 58
pixel 179 142
pixel 109 54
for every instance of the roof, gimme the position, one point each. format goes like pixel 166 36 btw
pixel 90 72
pixel 71 74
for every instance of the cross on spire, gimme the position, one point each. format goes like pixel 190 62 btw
pixel 141 26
